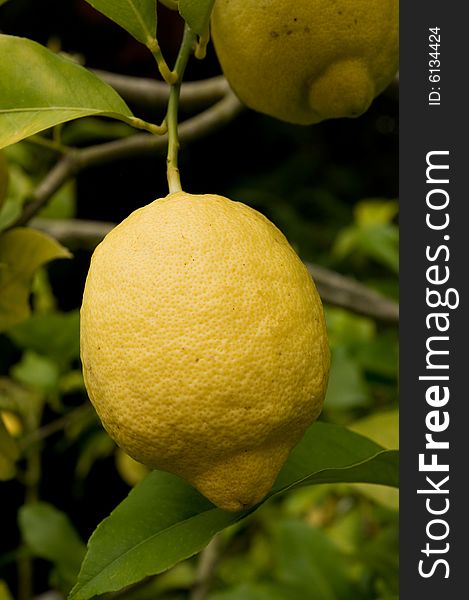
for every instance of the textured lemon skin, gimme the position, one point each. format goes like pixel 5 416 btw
pixel 308 60
pixel 203 344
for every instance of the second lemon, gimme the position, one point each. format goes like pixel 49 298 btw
pixel 308 60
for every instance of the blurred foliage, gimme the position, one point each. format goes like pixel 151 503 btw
pixel 331 189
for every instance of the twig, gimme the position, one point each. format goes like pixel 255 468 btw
pixel 55 426
pixel 64 169
pixel 208 560
pixel 335 289
pixel 149 93
pixel 74 233
pixel 191 129
pixel 51 595
pixel 76 160
pixel 347 293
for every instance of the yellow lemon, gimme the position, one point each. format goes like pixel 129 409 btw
pixel 308 60
pixel 203 344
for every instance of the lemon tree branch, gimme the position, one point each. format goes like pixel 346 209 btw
pixel 148 93
pixel 75 161
pixel 345 292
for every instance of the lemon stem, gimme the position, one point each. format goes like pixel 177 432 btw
pixel 187 46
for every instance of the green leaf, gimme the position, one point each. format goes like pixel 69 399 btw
pixel 381 242
pixel 380 355
pixel 373 234
pixel 309 560
pixel 381 555
pixel 41 89
pixel 346 388
pixel 347 329
pixel 23 161
pixel 346 242
pixel 97 446
pixel 138 17
pixel 383 428
pixel 375 212
pixel 49 534
pixel 332 454
pixel 63 203
pixel 23 401
pixel 36 371
pixel 165 520
pixel 20 187
pixel 196 13
pixel 22 252
pixel 55 335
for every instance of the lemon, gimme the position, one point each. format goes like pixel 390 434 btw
pixel 308 60
pixel 203 344
pixel 129 469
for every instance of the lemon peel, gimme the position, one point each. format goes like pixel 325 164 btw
pixel 203 344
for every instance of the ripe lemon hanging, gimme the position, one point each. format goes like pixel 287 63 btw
pixel 308 60
pixel 203 344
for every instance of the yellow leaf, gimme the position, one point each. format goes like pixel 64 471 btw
pixel 22 252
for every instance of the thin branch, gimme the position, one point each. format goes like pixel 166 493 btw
pixel 335 289
pixel 347 293
pixel 64 169
pixel 76 160
pixel 55 426
pixel 149 93
pixel 75 234
pixel 208 560
pixel 192 129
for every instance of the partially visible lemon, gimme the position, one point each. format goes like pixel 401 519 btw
pixel 129 469
pixel 204 345
pixel 308 60
pixel 12 422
